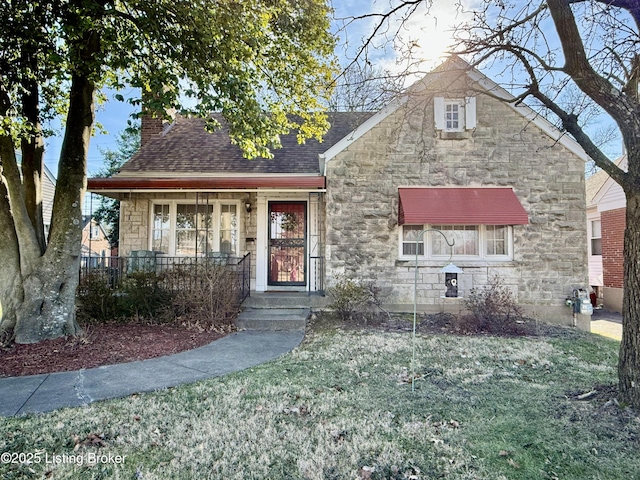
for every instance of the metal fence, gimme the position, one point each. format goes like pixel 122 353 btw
pixel 176 273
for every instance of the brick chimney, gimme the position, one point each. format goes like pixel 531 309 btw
pixel 149 126
pixel 151 121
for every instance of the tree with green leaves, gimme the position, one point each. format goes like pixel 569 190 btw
pixel 266 65
pixel 572 60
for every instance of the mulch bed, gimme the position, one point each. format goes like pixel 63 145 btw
pixel 104 344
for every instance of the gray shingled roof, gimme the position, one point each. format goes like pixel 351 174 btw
pixel 186 148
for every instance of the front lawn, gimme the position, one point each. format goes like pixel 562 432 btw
pixel 341 407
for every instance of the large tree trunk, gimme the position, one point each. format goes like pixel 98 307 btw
pixel 629 361
pixel 10 279
pixel 40 295
pixel 48 309
pixel 33 152
pixel 37 291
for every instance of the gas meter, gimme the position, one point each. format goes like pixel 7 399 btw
pixel 582 302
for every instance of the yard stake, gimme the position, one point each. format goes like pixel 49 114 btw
pixel 415 299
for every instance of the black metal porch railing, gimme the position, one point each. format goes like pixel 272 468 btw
pixel 243 271
pixel 175 273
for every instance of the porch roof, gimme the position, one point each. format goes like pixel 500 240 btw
pixel 126 184
pixel 460 206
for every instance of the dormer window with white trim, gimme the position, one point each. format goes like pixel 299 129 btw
pixel 454 115
pixel 453 112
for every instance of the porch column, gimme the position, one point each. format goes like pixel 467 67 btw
pixel 314 244
pixel 262 243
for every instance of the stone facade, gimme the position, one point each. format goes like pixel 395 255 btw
pixel 504 149
pixel 353 224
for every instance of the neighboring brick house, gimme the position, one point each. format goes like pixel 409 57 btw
pixel 594 235
pixel 606 208
pixel 496 178
pixel 95 243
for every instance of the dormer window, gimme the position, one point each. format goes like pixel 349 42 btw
pixel 454 114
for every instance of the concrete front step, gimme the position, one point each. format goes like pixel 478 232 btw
pixel 273 319
pixel 281 300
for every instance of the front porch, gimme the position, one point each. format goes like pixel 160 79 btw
pixel 282 231
pixel 175 274
pixel 270 311
pixel 113 271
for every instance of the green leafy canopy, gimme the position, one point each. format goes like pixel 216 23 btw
pixel 267 65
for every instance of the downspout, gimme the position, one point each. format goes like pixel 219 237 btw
pixel 322 160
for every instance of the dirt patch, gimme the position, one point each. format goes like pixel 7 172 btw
pixel 440 323
pixel 600 408
pixel 104 344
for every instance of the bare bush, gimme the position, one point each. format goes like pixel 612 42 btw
pixel 209 296
pixel 493 310
pixel 356 299
pixel 96 299
pixel 141 296
pixel 204 296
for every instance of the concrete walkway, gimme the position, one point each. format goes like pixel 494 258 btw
pixel 232 353
pixel 607 324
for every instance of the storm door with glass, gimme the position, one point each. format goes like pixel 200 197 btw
pixel 287 243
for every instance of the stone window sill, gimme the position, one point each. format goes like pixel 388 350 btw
pixel 454 135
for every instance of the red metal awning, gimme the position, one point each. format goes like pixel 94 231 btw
pixel 203 183
pixel 460 206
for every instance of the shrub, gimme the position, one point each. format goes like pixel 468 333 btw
pixel 493 310
pixel 140 295
pixel 354 299
pixel 203 295
pixel 96 299
pixel 208 296
pixel 143 295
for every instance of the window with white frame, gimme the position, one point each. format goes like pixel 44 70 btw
pixel 464 238
pixel 160 228
pixel 596 237
pixel 497 239
pixel 412 241
pixel 471 242
pixel 454 115
pixel 189 229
